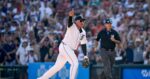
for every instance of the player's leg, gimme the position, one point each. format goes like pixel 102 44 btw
pixel 74 66
pixel 72 59
pixel 60 62
pixel 107 64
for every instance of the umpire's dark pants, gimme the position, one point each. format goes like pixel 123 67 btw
pixel 108 59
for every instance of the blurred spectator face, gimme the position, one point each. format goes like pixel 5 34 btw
pixel 138 42
pixel 33 42
pixel 31 34
pixel 46 42
pixel 24 44
pixel 31 52
pixel 55 44
pixel 23 34
pixel 8 38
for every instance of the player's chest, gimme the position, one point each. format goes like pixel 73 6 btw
pixel 77 35
pixel 106 35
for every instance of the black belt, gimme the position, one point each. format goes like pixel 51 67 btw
pixel 106 49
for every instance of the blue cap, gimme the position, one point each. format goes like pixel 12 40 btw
pixel 108 21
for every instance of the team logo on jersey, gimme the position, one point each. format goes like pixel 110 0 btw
pixel 82 36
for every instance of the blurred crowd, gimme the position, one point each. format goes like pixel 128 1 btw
pixel 31 30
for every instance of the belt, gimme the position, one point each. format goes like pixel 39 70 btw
pixel 107 49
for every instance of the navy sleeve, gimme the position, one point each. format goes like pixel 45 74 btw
pixel 98 36
pixel 84 49
pixel 70 21
pixel 117 37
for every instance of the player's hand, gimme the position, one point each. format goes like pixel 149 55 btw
pixel 85 62
pixel 113 38
pixel 95 49
pixel 71 13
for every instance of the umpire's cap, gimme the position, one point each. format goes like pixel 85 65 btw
pixel 108 21
pixel 79 18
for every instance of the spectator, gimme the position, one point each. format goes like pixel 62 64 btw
pixel 36 47
pixel 44 48
pixel 2 56
pixel 51 56
pixel 31 56
pixel 138 52
pixel 10 48
pixel 120 55
pixel 21 53
pixel 146 55
pixel 129 53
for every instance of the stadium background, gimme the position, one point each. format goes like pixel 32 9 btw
pixel 41 24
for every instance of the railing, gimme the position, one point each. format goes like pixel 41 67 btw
pixel 13 72
pixel 132 70
pixel 20 72
pixel 96 71
pixel 142 71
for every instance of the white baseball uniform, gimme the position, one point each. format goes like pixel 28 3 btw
pixel 66 52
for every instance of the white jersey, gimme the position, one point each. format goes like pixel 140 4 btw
pixel 73 37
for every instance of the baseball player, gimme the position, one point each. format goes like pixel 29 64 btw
pixel 74 36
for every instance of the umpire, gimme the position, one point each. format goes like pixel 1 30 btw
pixel 108 39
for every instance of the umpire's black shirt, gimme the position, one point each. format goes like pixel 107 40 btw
pixel 105 41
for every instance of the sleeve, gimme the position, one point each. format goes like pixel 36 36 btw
pixel 83 38
pixel 70 23
pixel 117 37
pixel 98 36
pixel 84 49
pixel 83 42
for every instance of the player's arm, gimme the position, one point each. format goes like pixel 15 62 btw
pixel 96 45
pixel 71 14
pixel 96 41
pixel 83 39
pixel 116 38
pixel 83 43
pixel 84 49
pixel 85 62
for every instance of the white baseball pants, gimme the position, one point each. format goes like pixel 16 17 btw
pixel 65 54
